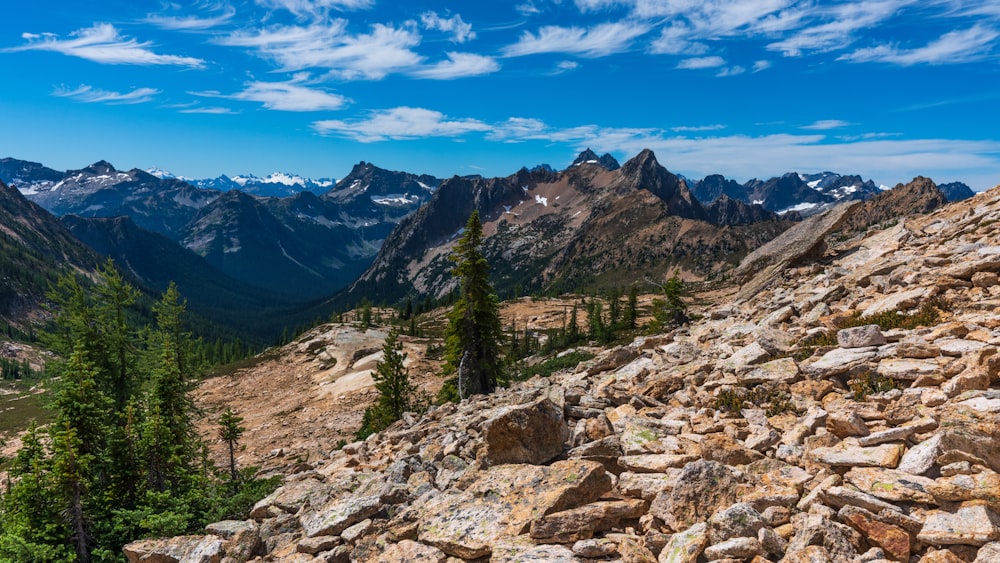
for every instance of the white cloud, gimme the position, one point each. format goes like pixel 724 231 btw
pixel 209 111
pixel 676 40
pixel 192 23
pixel 598 41
pixel 399 124
pixel 697 128
pixel 527 9
pixel 826 125
pixel 952 47
pixel 315 8
pixel 701 62
pixel 761 65
pixel 564 67
pixel 731 71
pixel 90 95
pixel 458 65
pixel 285 96
pixel 841 24
pixel 103 44
pixel 459 30
pixel 327 45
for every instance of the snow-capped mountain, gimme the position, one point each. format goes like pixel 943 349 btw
pixel 277 184
pixel 805 194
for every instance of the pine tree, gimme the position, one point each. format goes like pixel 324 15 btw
pixel 396 394
pixel 230 432
pixel 475 335
pixel 632 309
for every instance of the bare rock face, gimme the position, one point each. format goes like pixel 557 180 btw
pixel 534 433
pixel 803 240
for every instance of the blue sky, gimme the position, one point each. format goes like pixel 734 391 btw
pixel 748 88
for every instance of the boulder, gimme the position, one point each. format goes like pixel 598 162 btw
pixel 534 433
pixel 860 337
pixel 180 549
pixel 702 488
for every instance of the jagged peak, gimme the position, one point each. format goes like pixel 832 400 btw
pixel 100 167
pixel 644 161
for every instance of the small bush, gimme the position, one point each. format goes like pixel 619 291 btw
pixel 554 364
pixel 774 401
pixel 870 383
pixel 928 314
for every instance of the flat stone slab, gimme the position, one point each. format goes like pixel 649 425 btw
pixel 907 369
pixel 972 524
pixel 654 463
pixel 891 484
pixel 842 360
pixel 886 455
pixel 782 370
pixel 891 435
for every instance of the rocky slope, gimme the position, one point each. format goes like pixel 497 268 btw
pixel 759 432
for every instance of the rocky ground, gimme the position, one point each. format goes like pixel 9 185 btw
pixel 762 432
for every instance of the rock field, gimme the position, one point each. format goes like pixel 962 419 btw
pixel 761 432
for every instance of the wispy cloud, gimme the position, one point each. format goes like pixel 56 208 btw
pixel 761 65
pixel 399 124
pixel 459 30
pixel 564 67
pixel 209 111
pixel 837 26
pixel 962 46
pixel 285 96
pixel 701 62
pixel 90 95
pixel 825 125
pixel 731 71
pixel 315 8
pixel 328 45
pixel 103 44
pixel 697 128
pixel 458 65
pixel 598 41
pixel 193 23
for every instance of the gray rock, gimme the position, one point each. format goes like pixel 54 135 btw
pixel 737 521
pixel 860 337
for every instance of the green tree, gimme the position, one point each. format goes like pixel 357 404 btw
pixel 632 308
pixel 230 430
pixel 671 310
pixel 396 394
pixel 475 336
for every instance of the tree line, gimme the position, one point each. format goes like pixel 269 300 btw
pixel 122 459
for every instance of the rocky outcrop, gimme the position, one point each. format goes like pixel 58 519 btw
pixel 801 242
pixel 757 433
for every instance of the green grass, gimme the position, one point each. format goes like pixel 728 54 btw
pixel 18 409
pixel 552 365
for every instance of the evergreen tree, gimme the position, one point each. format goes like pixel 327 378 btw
pixel 632 308
pixel 475 334
pixel 230 432
pixel 396 394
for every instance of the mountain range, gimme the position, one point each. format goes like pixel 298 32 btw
pixel 302 246
pixel 386 235
pixel 805 194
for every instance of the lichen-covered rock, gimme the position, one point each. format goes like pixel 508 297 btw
pixel 860 337
pixel 685 546
pixel 534 433
pixel 702 488
pixel 180 549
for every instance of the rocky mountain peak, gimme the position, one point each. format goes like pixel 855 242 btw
pixel 956 191
pixel 588 156
pixel 99 168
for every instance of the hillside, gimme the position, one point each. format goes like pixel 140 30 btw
pixel 155 261
pixel 847 411
pixel 35 248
